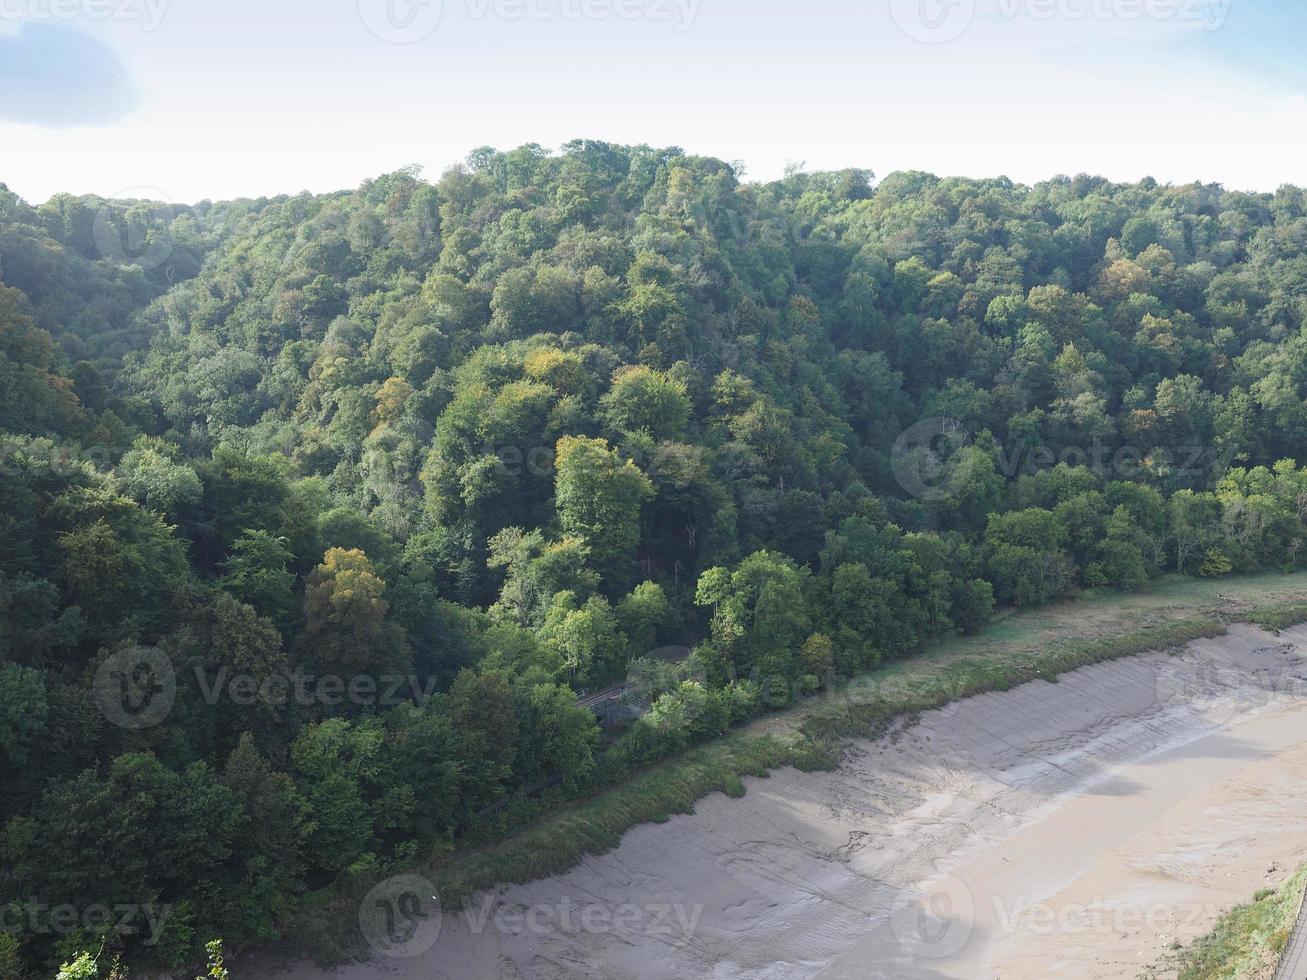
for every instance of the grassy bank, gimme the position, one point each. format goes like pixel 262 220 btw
pixel 848 714
pixel 1276 616
pixel 1247 941
pixel 1020 647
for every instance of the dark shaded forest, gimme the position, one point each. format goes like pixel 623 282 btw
pixel 317 513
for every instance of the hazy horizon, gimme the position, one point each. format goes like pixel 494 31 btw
pixel 747 177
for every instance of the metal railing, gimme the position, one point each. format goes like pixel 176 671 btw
pixel 1293 961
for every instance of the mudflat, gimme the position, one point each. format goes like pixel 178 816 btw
pixel 1070 829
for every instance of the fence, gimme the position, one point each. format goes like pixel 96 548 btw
pixel 1293 961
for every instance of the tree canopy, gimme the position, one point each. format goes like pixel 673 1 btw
pixel 369 486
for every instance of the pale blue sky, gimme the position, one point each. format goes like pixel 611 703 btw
pixel 184 99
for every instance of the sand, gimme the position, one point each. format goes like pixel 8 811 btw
pixel 1069 829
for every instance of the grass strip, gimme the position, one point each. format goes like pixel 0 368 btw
pixel 1248 940
pixel 1276 616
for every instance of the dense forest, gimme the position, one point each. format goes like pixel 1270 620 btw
pixel 319 512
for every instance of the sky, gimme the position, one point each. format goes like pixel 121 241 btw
pixel 182 100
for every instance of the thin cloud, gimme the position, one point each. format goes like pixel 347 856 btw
pixel 57 76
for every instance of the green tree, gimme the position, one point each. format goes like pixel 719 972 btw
pixel 335 766
pixel 641 614
pixel 1026 558
pixel 760 614
pixel 598 498
pixel 586 635
pixel 271 826
pixel 154 477
pixel 24 710
pixel 644 399
pixel 159 834
pixel 257 572
pixel 480 706
pixel 557 736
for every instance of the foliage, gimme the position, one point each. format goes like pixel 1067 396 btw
pixel 389 476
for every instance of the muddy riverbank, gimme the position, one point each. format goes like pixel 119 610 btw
pixel 1066 829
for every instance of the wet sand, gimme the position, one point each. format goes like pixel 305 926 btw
pixel 1102 884
pixel 1069 829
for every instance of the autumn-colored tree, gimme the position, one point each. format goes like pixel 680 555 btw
pixel 345 624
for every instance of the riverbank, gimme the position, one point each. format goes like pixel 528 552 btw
pixel 1167 613
pixel 1014 649
pixel 1131 796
